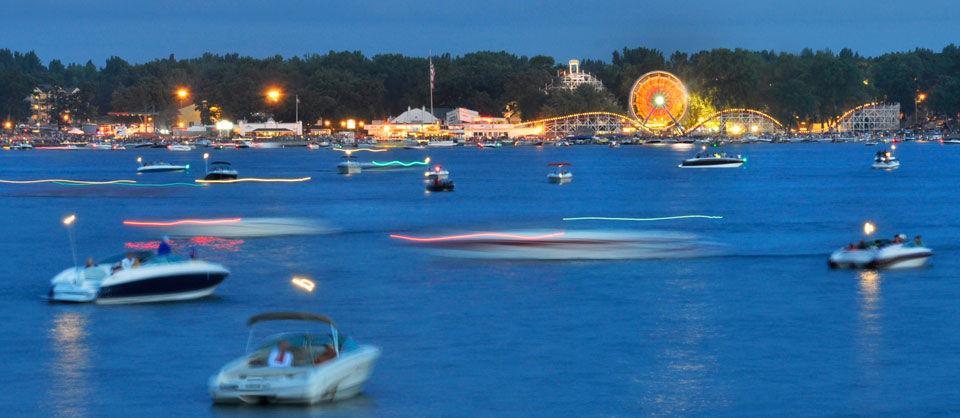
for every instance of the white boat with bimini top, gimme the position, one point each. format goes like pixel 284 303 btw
pixel 302 359
pixel 137 277
pixel 716 160
pixel 882 254
pixel 159 167
pixel 559 175
pixel 885 160
pixel 180 147
pixel 221 170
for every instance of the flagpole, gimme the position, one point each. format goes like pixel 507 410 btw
pixel 431 85
pixel 296 113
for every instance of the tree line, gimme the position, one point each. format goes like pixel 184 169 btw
pixel 812 86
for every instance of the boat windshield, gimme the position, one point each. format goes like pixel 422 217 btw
pixel 307 342
pixel 142 256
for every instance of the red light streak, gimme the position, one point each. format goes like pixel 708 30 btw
pixel 183 221
pixel 477 235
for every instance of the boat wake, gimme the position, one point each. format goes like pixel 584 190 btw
pixel 236 227
pixel 566 245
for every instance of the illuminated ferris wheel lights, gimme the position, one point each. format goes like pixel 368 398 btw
pixel 659 100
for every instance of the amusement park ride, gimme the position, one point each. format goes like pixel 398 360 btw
pixel 659 102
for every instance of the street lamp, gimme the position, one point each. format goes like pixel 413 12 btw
pixel 274 95
pixel 68 221
pixel 921 97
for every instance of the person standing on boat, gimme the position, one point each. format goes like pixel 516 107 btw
pixel 280 356
pixel 164 247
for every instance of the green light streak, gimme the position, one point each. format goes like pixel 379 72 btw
pixel 413 163
pixel 601 218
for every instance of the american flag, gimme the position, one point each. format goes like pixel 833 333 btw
pixel 432 72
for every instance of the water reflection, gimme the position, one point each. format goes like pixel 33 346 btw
pixel 70 388
pixel 870 331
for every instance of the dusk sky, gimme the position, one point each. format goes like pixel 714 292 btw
pixel 142 31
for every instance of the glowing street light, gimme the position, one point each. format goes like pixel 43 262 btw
pixel 8 124
pixel 274 95
pixel 68 221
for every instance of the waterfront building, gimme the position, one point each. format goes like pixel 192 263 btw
pixel 42 99
pixel 269 129
pixel 411 123
pixel 461 123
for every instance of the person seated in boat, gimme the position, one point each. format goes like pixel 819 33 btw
pixel 128 262
pixel 899 239
pixel 90 262
pixel 164 247
pixel 917 242
pixel 328 354
pixel 698 155
pixel 280 356
pixel 862 245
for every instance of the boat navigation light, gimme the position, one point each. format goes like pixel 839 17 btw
pixel 206 155
pixel 868 228
pixel 69 219
pixel 437 168
pixel 893 147
pixel 303 283
pixel 139 159
pixel 427 160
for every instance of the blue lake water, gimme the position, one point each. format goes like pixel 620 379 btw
pixel 761 326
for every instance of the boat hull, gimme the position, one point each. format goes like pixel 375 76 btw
pixel 336 380
pixel 164 169
pixel 150 283
pixel 891 257
pixel 349 168
pixel 221 176
pixel 886 166
pixel 559 178
pixel 712 163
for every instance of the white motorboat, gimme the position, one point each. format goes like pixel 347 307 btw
pixel 313 363
pixel 885 160
pixel 441 143
pixel 890 256
pixel 563 245
pixel 221 170
pixel 951 141
pixel 159 167
pixel 22 146
pixel 559 175
pixel 156 279
pixel 720 160
pixel 180 147
pixel 349 165
pixel 870 143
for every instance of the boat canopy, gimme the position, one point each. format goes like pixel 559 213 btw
pixel 289 316
pixel 219 162
pixel 558 164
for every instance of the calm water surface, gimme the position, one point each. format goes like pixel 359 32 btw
pixel 762 327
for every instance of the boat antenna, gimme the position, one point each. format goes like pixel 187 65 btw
pixel 68 221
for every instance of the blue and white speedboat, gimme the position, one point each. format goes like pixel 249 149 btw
pixel 153 279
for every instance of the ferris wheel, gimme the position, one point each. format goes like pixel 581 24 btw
pixel 659 101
